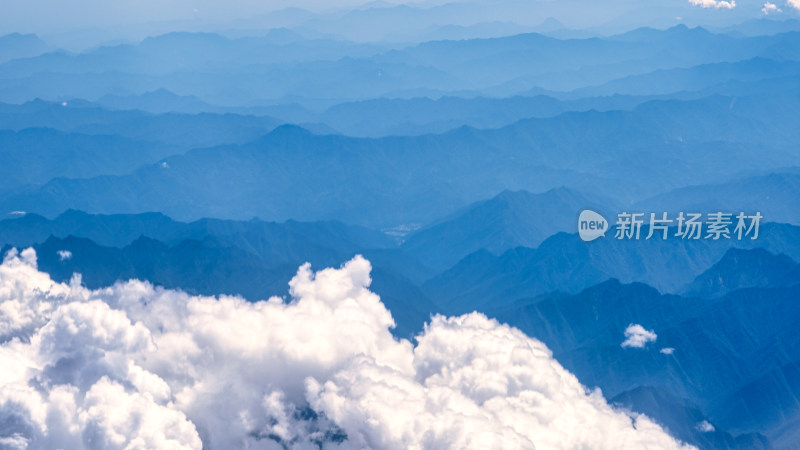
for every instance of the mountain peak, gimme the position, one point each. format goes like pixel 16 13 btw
pixel 288 131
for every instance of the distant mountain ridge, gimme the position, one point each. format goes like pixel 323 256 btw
pixel 564 263
pixel 34 156
pixel 282 242
pixel 510 219
pixel 774 195
pixel 296 174
pixel 333 69
pixel 16 45
pixel 740 269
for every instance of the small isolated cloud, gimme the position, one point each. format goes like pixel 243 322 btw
pixel 64 255
pixel 637 337
pixel 705 427
pixel 793 4
pixel 667 350
pixel 717 4
pixel 135 366
pixel 771 8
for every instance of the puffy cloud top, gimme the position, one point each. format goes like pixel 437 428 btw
pixel 718 4
pixel 636 336
pixel 133 366
pixel 770 8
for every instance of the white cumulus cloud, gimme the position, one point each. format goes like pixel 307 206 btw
pixel 718 4
pixel 793 4
pixel 636 336
pixel 770 8
pixel 132 366
pixel 705 427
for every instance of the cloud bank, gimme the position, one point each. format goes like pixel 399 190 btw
pixel 718 4
pixel 132 366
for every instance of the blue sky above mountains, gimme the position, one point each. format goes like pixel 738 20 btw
pixel 91 22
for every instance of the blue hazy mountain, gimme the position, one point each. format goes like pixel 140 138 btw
pixel 564 263
pixel 185 131
pixel 159 101
pixel 263 178
pixel 365 118
pixel 15 45
pixel 292 173
pixel 413 116
pixel 173 51
pixel 740 269
pixel 510 219
pixel 672 80
pixel 321 242
pixel 379 21
pixel 163 101
pixel 485 30
pixel 229 71
pixel 35 156
pixel 775 195
pixel 762 26
pixel 550 63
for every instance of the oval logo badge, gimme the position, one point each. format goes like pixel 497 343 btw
pixel 591 225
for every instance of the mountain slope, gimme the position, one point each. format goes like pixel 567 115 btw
pixel 508 220
pixel 35 156
pixel 735 357
pixel 564 263
pixel 774 195
pixel 291 241
pixel 741 269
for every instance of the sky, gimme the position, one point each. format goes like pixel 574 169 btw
pixel 57 16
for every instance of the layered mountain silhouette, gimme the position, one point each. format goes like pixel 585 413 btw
pixel 508 220
pixel 564 263
pixel 739 269
pixel 774 195
pixel 292 173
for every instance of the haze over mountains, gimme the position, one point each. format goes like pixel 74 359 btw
pixel 453 146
